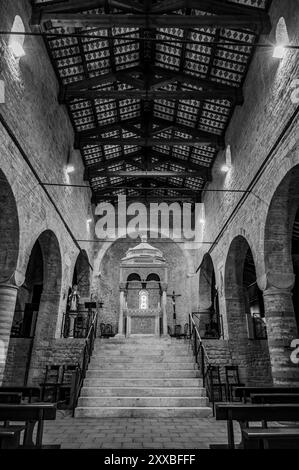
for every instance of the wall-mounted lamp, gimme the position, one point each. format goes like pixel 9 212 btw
pixel 17 49
pixel 225 168
pixel 16 41
pixel 2 92
pixel 228 160
pixel 69 169
pixel 282 39
pixel 279 52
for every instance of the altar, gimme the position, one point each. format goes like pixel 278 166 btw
pixel 143 286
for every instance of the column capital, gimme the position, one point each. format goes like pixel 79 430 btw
pixel 272 290
pixel 15 280
pixel 122 286
pixel 164 286
pixel 277 281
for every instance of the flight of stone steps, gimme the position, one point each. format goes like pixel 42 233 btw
pixel 142 376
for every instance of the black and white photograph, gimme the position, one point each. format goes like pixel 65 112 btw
pixel 149 230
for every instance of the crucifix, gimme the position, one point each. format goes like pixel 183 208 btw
pixel 173 297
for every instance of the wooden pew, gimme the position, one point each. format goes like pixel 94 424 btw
pixel 246 392
pixel 275 438
pixel 244 413
pixel 31 414
pixel 10 436
pixel 292 398
pixel 6 397
pixel 27 392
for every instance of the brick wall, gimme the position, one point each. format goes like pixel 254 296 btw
pixel 17 357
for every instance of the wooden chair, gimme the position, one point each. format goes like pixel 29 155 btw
pixel 67 386
pixel 218 388
pixel 232 381
pixel 108 331
pixel 52 382
pixel 186 333
pixel 102 329
pixel 177 331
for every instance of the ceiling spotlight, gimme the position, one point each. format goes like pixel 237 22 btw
pixel 69 169
pixel 17 49
pixel 279 52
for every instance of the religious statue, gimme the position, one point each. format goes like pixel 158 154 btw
pixel 73 299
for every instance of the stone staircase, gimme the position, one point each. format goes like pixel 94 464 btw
pixel 143 376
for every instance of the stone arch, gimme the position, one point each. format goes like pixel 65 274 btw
pixel 278 231
pixel 281 274
pixel 9 230
pixel 235 295
pixel 81 275
pixel 208 319
pixel 207 283
pixel 9 253
pixel 252 357
pixel 52 281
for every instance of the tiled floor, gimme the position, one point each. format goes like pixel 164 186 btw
pixel 138 433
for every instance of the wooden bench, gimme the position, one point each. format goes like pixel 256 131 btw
pixel 31 414
pixel 244 413
pixel 246 392
pixel 10 436
pixel 27 392
pixel 260 438
pixel 292 398
pixel 6 397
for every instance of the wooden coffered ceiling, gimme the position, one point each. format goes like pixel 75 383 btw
pixel 150 86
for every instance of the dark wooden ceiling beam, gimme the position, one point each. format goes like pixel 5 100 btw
pixel 212 140
pixel 48 19
pixel 93 170
pixel 198 95
pixel 129 158
pixel 218 7
pixel 170 76
pixel 163 186
pixel 164 123
pixel 77 6
pixel 82 88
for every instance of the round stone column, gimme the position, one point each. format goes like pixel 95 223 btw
pixel 8 297
pixel 281 330
pixel 122 288
pixel 164 313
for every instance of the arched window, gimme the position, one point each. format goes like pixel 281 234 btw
pixel 143 300
pixel 282 39
pixel 16 41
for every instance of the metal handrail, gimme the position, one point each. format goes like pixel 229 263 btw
pixel 85 359
pixel 201 358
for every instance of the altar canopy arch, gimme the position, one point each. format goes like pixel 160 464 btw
pixel 143 285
